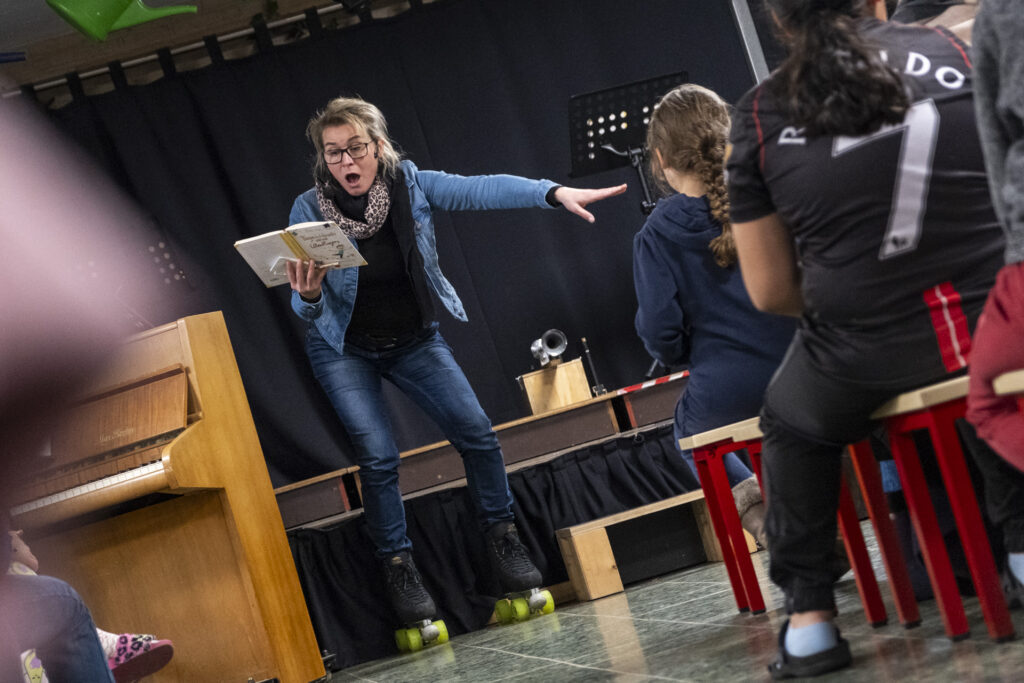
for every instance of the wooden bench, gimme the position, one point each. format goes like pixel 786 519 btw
pixel 1009 383
pixel 327 497
pixel 589 553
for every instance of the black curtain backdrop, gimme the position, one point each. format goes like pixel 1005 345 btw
pixel 345 590
pixel 468 86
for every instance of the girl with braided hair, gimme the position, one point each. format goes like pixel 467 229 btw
pixel 693 308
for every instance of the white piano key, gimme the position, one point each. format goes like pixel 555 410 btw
pixel 90 487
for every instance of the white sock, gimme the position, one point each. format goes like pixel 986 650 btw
pixel 811 639
pixel 108 641
pixel 1017 565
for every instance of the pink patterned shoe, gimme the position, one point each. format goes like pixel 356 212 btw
pixel 139 655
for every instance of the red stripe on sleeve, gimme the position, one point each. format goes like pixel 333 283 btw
pixel 959 320
pixel 955 42
pixel 949 324
pixel 760 133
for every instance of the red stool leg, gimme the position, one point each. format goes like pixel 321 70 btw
pixel 754 451
pixel 857 551
pixel 968 520
pixel 933 547
pixel 700 459
pixel 735 530
pixel 870 481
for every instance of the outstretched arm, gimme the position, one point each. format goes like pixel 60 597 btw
pixel 576 199
pixel 453 192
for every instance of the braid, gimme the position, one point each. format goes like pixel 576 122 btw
pixel 710 169
pixel 689 127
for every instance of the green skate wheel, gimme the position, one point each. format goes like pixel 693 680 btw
pixel 503 612
pixel 549 603
pixel 520 609
pixel 402 640
pixel 442 632
pixel 415 639
pixel 408 640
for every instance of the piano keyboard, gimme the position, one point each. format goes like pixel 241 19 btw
pixel 124 478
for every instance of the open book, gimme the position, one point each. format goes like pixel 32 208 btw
pixel 320 241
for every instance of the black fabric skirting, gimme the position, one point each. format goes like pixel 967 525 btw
pixel 343 584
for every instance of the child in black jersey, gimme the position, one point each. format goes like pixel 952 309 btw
pixel 859 203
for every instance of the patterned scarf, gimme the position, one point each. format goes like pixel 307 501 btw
pixel 377 206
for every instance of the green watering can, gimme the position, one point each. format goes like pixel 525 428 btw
pixel 97 18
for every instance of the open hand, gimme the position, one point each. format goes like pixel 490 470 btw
pixel 305 277
pixel 574 199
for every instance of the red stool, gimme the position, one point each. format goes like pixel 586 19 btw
pixel 726 520
pixel 935 409
pixel 709 448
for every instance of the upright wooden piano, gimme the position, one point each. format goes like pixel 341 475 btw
pixel 157 507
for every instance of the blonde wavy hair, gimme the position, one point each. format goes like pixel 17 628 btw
pixel 365 118
pixel 690 128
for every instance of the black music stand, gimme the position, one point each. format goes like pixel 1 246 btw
pixel 607 128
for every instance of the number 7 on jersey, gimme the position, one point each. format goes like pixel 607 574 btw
pixel 920 130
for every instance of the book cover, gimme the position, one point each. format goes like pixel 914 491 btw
pixel 320 241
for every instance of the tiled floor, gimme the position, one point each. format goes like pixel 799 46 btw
pixel 685 627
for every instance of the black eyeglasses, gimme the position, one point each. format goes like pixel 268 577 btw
pixel 356 151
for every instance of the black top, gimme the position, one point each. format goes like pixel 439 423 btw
pixel 392 298
pixel 385 303
pixel 895 233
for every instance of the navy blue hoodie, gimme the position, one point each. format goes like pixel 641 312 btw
pixel 694 312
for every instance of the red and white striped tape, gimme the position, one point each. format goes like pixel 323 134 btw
pixel 651 383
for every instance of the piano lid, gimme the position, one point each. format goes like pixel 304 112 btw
pixel 136 412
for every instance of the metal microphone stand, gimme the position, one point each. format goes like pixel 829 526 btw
pixel 636 160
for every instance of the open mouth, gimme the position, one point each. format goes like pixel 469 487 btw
pixel 352 178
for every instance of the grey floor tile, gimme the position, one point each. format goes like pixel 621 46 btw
pixel 685 627
pixel 451 662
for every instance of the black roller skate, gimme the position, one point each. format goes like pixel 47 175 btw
pixel 413 605
pixel 519 577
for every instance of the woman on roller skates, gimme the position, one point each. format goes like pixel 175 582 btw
pixel 389 330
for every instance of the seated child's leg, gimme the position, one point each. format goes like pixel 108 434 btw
pixel 51 617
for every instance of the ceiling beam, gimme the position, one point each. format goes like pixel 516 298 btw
pixel 53 58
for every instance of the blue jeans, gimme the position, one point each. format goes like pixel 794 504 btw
pixel 47 614
pixel 890 476
pixel 426 371
pixel 735 469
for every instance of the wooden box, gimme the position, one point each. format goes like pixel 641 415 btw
pixel 558 385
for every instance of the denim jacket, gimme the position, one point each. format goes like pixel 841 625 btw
pixel 428 190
